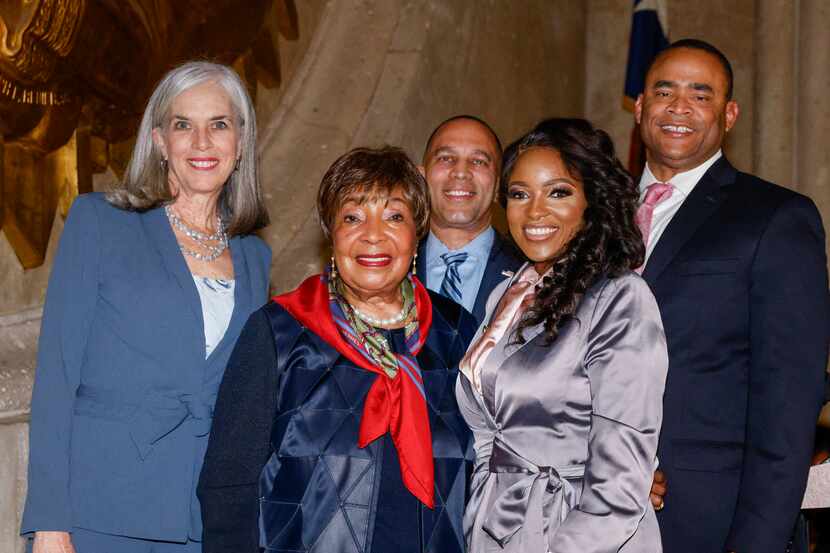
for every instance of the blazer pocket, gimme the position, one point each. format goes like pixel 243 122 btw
pixel 692 267
pixel 708 456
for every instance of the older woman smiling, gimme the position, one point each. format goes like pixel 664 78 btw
pixel 336 426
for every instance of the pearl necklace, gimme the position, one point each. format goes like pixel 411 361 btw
pixel 200 238
pixel 374 321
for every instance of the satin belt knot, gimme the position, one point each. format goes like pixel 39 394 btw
pixel 544 494
pixel 157 415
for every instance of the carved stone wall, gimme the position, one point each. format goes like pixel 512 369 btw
pixel 386 71
pixel 413 63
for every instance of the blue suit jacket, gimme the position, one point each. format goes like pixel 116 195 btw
pixel 503 257
pixel 123 394
pixel 740 277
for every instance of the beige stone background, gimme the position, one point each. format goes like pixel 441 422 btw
pixel 386 71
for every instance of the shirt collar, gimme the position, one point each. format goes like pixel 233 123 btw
pixel 683 182
pixel 478 248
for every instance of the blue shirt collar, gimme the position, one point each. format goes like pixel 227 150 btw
pixel 478 249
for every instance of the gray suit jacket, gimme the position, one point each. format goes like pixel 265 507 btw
pixel 123 395
pixel 566 434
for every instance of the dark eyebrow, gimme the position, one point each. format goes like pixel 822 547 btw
pixel 560 180
pixel 664 84
pixel 451 150
pixel 443 150
pixel 216 118
pixel 484 154
pixel 702 87
pixel 546 184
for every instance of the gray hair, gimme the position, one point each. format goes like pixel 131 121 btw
pixel 145 184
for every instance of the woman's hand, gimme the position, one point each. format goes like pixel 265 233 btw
pixel 658 490
pixel 53 542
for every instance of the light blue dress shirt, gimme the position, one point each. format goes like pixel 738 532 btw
pixel 471 270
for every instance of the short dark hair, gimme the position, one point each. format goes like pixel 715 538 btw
pixel 366 173
pixel 609 243
pixel 446 122
pixel 702 45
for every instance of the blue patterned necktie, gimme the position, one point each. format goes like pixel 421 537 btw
pixel 451 285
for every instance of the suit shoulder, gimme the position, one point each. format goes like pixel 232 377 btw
pixel 767 192
pixel 772 202
pixel 285 329
pixel 257 244
pixel 259 249
pixel 628 287
pixel 278 316
pixel 94 202
pixel 93 210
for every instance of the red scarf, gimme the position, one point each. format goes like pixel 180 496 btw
pixel 393 405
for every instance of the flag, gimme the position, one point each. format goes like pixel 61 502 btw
pixel 649 35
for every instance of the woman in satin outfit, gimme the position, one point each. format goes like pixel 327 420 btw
pixel 563 385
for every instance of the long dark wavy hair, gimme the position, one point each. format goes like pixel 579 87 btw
pixel 609 242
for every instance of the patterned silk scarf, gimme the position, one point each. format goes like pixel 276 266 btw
pixel 396 402
pixel 368 339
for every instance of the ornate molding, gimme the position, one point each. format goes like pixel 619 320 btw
pixel 75 75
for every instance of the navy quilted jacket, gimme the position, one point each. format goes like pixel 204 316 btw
pixel 283 470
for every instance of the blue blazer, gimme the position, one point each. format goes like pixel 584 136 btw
pixel 741 281
pixel 503 257
pixel 123 396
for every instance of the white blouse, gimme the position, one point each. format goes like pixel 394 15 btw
pixel 217 299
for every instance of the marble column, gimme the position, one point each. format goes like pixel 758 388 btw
pixel 813 119
pixel 775 88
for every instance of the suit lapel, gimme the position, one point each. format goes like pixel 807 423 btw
pixel 498 261
pixel 704 199
pixel 159 229
pixel 161 234
pixel 421 262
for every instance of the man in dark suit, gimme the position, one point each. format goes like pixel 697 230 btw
pixel 463 257
pixel 738 268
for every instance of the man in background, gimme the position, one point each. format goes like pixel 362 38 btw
pixel 463 257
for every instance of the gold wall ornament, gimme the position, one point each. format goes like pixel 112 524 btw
pixel 75 76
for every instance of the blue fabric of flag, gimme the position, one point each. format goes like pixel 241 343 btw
pixel 648 37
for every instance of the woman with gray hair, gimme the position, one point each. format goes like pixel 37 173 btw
pixel 150 288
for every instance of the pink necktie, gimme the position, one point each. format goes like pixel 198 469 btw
pixel 514 301
pixel 655 193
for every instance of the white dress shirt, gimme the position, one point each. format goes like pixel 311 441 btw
pixel 683 184
pixel 217 297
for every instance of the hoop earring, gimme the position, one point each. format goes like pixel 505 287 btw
pixel 333 271
pixel 414 262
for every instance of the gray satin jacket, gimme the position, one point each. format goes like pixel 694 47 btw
pixel 566 434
